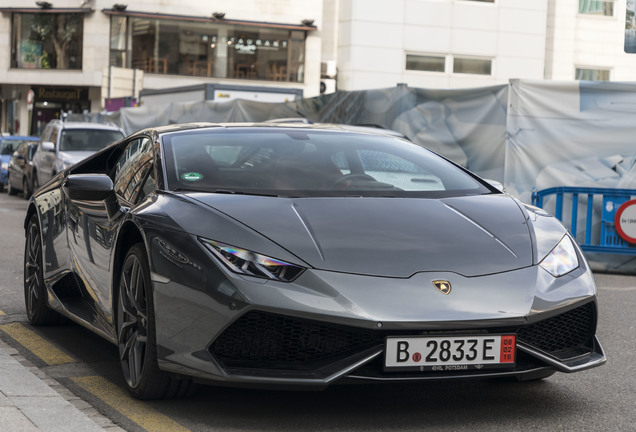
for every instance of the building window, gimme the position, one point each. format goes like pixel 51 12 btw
pixel 164 46
pixel 118 41
pixel 596 7
pixel 47 41
pixel 584 74
pixel 425 63
pixel 472 66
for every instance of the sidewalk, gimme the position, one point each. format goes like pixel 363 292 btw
pixel 31 401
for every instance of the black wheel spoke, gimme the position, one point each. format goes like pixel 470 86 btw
pixel 138 350
pixel 126 346
pixel 136 283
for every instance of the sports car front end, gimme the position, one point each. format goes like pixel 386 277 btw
pixel 485 295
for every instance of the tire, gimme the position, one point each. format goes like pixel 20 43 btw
pixel 10 190
pixel 36 183
pixel 26 191
pixel 136 338
pixel 35 296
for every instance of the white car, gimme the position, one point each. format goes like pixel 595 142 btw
pixel 66 143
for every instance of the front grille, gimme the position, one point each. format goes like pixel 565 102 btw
pixel 265 341
pixel 562 332
pixel 268 341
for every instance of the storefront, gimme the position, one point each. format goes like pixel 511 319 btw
pixel 50 102
pixel 213 48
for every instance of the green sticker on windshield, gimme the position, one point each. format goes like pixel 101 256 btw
pixel 192 176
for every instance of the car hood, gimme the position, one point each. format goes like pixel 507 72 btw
pixel 392 237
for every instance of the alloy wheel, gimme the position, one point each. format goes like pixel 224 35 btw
pixel 37 308
pixel 132 321
pixel 32 270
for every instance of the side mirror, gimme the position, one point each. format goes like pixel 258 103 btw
pixel 48 146
pixel 92 187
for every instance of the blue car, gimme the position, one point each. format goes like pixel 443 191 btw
pixel 9 144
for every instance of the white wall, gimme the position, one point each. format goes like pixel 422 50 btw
pixel 375 36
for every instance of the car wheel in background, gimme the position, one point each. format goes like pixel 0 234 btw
pixel 10 190
pixel 136 333
pixel 37 309
pixel 26 191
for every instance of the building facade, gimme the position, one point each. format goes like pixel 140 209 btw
pixel 587 40
pixel 89 55
pixel 92 55
pixel 439 43
pixel 471 43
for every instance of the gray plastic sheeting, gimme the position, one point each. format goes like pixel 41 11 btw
pixel 466 126
pixel 528 135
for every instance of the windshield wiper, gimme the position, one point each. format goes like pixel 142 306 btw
pixel 225 191
pixel 240 192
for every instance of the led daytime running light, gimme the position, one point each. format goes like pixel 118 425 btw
pixel 252 264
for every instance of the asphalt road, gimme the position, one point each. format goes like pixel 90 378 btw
pixel 601 399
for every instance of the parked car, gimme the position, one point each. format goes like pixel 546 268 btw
pixel 8 145
pixel 300 256
pixel 20 176
pixel 66 143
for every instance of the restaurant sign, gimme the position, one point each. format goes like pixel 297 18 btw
pixel 60 94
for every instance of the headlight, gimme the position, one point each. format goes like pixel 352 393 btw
pixel 252 264
pixel 5 166
pixel 562 259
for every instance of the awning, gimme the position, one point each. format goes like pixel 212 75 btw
pixel 210 19
pixel 46 10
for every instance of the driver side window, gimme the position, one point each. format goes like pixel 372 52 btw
pixel 132 169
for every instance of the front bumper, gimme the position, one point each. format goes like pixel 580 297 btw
pixel 265 348
pixel 249 332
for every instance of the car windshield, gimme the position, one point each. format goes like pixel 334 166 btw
pixel 87 139
pixel 309 162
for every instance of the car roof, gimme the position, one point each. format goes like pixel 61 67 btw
pixel 19 137
pixel 278 125
pixel 86 125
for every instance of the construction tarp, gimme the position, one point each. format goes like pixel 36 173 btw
pixel 570 134
pixel 528 135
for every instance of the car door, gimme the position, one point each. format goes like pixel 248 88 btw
pixel 17 165
pixel 92 233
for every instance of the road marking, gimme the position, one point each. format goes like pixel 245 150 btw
pixel 610 288
pixel 39 346
pixel 135 410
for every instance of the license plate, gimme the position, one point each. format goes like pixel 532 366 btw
pixel 446 353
